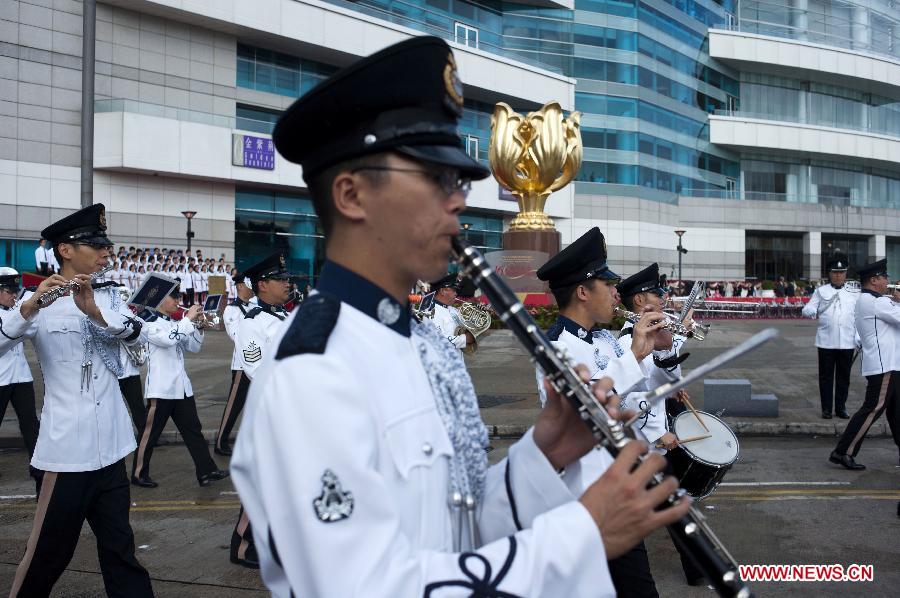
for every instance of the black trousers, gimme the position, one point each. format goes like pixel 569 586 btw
pixel 67 499
pixel 631 574
pixel 237 396
pixel 242 538
pixel 188 297
pixel 184 413
pixel 44 269
pixel 21 395
pixel 834 378
pixel 882 395
pixel 133 393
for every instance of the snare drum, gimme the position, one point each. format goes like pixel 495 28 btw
pixel 700 465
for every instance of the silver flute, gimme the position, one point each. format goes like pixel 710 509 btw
pixel 70 286
pixel 673 326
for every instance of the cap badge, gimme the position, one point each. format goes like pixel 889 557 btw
pixel 388 312
pixel 333 504
pixel 101 217
pixel 454 98
pixel 281 261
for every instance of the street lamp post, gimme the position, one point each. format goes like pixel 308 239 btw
pixel 681 250
pixel 189 214
pixel 466 226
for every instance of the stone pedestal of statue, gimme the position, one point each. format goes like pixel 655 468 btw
pixel 546 241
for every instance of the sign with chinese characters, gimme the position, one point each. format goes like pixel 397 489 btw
pixel 252 152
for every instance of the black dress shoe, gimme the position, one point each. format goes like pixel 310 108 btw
pixel 846 460
pixel 225 451
pixel 143 482
pixel 250 560
pixel 843 415
pixel 826 415
pixel 213 476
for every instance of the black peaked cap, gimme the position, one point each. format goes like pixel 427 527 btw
pixel 87 225
pixel 878 268
pixel 838 263
pixel 450 280
pixel 271 267
pixel 584 259
pixel 644 281
pixel 407 98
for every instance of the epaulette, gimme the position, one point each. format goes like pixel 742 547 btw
pixel 146 314
pixel 311 327
pixel 150 318
pixel 670 363
pixel 236 302
pixel 103 285
pixel 253 313
pixel 555 331
pixel 626 332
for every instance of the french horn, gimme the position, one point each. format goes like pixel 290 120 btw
pixel 474 318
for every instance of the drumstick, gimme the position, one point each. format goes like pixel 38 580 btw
pixel 687 402
pixel 693 438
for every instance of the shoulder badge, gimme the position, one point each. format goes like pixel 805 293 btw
pixel 334 503
pixel 252 353
pixel 311 327
pixel 253 313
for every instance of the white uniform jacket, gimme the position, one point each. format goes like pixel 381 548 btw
pixel 878 323
pixel 84 427
pixel 599 351
pixel 13 364
pixel 447 319
pixel 655 423
pixel 343 465
pixel 168 340
pixel 232 316
pixel 836 310
pixel 255 334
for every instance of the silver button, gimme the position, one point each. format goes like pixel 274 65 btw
pixel 369 139
pixel 95 376
pixel 426 448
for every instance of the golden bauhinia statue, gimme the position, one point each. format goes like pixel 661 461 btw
pixel 532 156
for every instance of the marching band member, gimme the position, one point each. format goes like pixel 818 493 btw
pixel 835 307
pixel 270 281
pixel 878 325
pixel 16 382
pixel 446 317
pixel 585 291
pixel 169 392
pixel 362 434
pixel 237 393
pixel 85 431
pixel 640 293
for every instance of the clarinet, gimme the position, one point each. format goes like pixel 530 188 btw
pixel 691 531
pixel 72 285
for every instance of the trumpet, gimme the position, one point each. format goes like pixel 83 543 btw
pixel 673 326
pixel 893 287
pixel 205 319
pixel 70 286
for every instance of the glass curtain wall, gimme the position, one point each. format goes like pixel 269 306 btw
pixel 770 255
pixel 18 254
pixel 856 248
pixel 485 231
pixel 892 252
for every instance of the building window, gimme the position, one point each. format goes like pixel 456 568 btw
pixel 259 120
pixel 19 254
pixel 267 221
pixel 472 146
pixel 770 255
pixel 892 253
pixel 275 72
pixel 466 35
pixel 484 232
pixel 856 248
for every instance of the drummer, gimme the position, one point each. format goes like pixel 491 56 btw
pixel 640 293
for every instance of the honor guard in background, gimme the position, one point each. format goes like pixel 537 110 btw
pixel 237 393
pixel 16 382
pixel 361 459
pixel 255 335
pixel 835 307
pixel 169 392
pixel 641 293
pixel 585 291
pixel 878 326
pixel 85 429
pixel 446 317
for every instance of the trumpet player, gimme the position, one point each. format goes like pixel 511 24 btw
pixel 446 317
pixel 255 336
pixel 85 431
pixel 585 290
pixel 878 324
pixel 834 305
pixel 169 392
pixel 16 382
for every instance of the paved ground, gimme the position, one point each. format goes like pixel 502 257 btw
pixel 809 512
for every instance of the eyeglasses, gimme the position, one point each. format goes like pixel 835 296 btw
pixel 448 181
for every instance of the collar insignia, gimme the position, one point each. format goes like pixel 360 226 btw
pixel 582 333
pixel 388 312
pixel 334 503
